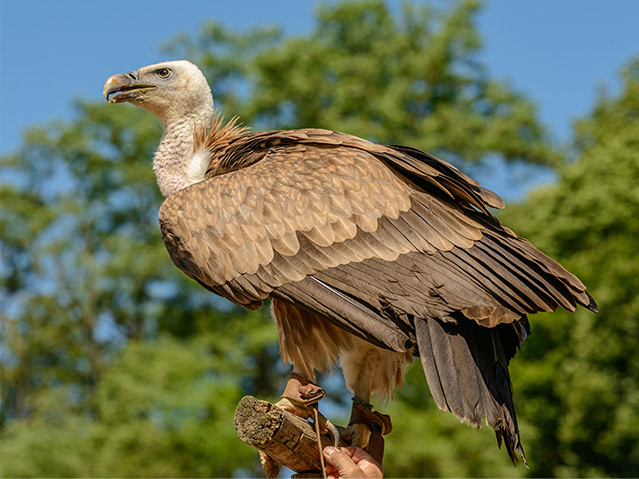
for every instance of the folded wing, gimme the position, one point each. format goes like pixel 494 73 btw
pixel 389 243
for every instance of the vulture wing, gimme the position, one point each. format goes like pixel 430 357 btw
pixel 390 243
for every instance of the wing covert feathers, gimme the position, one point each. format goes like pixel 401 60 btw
pixel 252 221
pixel 284 205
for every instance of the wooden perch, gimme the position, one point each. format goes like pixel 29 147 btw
pixel 288 439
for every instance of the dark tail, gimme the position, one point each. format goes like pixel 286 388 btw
pixel 466 367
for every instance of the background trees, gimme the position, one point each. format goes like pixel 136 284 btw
pixel 577 377
pixel 114 364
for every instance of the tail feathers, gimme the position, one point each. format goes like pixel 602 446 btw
pixel 466 366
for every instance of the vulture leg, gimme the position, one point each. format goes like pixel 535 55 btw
pixel 369 369
pixel 310 344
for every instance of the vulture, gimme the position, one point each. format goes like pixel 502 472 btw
pixel 369 254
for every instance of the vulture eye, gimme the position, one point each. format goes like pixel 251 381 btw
pixel 164 73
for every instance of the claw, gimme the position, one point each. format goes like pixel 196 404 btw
pixel 299 410
pixel 327 427
pixel 299 396
pixel 357 434
pixel 334 432
pixel 269 466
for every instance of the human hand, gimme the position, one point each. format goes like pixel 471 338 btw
pixel 351 463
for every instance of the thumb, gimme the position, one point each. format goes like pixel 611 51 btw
pixel 342 462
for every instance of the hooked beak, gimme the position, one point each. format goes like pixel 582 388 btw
pixel 125 87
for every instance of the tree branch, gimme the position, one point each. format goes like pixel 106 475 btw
pixel 288 439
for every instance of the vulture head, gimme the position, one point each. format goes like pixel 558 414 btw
pixel 170 90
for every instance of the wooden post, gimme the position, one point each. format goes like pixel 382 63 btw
pixel 288 439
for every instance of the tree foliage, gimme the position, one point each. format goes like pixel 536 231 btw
pixel 577 379
pixel 114 364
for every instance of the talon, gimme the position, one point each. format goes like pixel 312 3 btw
pixel 269 466
pixel 327 427
pixel 357 434
pixel 334 432
pixel 298 409
pixel 300 397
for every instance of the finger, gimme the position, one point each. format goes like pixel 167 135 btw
pixel 359 455
pixel 350 450
pixel 331 472
pixel 342 462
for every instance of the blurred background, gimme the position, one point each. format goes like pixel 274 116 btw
pixel 113 364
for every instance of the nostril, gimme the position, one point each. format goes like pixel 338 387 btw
pixel 133 75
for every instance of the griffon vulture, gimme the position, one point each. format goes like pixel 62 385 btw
pixel 370 254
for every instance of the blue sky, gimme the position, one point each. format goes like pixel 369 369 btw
pixel 557 52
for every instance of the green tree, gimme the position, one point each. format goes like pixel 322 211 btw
pixel 577 379
pixel 161 410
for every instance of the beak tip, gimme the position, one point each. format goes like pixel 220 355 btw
pixel 109 85
pixel 114 84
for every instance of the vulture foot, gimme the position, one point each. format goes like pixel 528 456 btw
pixel 300 397
pixel 366 428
